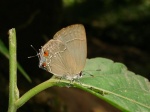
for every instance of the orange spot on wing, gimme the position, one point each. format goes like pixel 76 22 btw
pixel 44 64
pixel 46 53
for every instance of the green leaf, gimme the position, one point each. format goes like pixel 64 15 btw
pixel 5 52
pixel 115 84
pixel 109 81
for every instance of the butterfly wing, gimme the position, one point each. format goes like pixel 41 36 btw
pixel 55 58
pixel 74 38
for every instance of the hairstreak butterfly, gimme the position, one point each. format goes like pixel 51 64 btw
pixel 65 54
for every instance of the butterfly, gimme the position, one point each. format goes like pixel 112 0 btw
pixel 65 54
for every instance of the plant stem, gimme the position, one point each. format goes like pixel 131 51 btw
pixel 13 91
pixel 28 95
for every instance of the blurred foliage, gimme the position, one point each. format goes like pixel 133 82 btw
pixel 5 52
pixel 123 22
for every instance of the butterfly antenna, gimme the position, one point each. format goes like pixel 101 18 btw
pixel 37 54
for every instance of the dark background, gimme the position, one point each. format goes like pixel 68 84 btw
pixel 118 30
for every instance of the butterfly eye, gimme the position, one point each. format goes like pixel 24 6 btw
pixel 46 53
pixel 44 65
